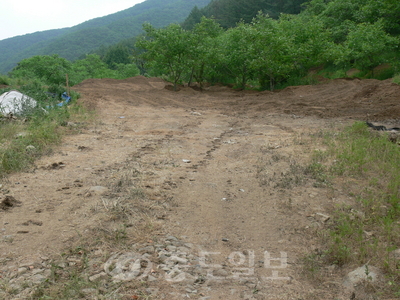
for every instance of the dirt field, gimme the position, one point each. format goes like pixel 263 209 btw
pixel 207 172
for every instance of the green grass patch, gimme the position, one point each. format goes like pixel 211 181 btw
pixel 396 79
pixel 366 231
pixel 26 137
pixel 4 80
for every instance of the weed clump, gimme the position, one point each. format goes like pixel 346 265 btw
pixel 26 137
pixel 366 231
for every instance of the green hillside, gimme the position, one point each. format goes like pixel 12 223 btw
pixel 76 41
pixel 228 12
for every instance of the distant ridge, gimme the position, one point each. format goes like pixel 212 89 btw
pixel 73 42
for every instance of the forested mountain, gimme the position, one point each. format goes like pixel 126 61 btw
pixel 228 12
pixel 73 42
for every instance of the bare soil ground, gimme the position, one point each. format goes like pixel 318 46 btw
pixel 214 169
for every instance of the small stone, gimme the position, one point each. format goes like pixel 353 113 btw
pixel 225 240
pixel 97 276
pixel 22 270
pixel 28 264
pixel 148 249
pixel 332 268
pixel 358 214
pixel 179 260
pixel 37 271
pixel 187 161
pixel 163 258
pixel 21 134
pixel 322 217
pixel 171 238
pixel 100 190
pixel 62 265
pixel 152 291
pixel 38 278
pixel 171 248
pixel 364 273
pixel 182 250
pixel 396 254
pixel 221 273
pixel 368 233
pixel 146 256
pixel 89 291
pixel 151 278
pixel 8 238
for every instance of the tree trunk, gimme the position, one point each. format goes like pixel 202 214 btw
pixel 271 83
pixel 191 77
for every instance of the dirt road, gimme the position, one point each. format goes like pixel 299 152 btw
pixel 214 173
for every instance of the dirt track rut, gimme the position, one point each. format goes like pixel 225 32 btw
pixel 218 169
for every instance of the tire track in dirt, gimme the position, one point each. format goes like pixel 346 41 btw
pixel 222 209
pixel 218 167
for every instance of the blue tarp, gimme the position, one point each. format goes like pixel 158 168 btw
pixel 64 96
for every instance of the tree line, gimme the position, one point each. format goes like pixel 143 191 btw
pixel 49 73
pixel 265 53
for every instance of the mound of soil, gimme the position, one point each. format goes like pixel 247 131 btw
pixel 369 99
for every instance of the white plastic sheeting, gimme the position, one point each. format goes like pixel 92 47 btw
pixel 16 103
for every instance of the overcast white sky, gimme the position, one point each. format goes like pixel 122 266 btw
pixel 19 17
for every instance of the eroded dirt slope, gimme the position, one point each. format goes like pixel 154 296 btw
pixel 215 169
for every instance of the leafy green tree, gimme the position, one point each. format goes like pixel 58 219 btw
pixel 90 67
pixel 271 51
pixel 126 70
pixel 167 50
pixel 236 53
pixel 339 16
pixel 118 54
pixel 385 11
pixel 50 69
pixel 310 43
pixel 203 56
pixel 367 47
